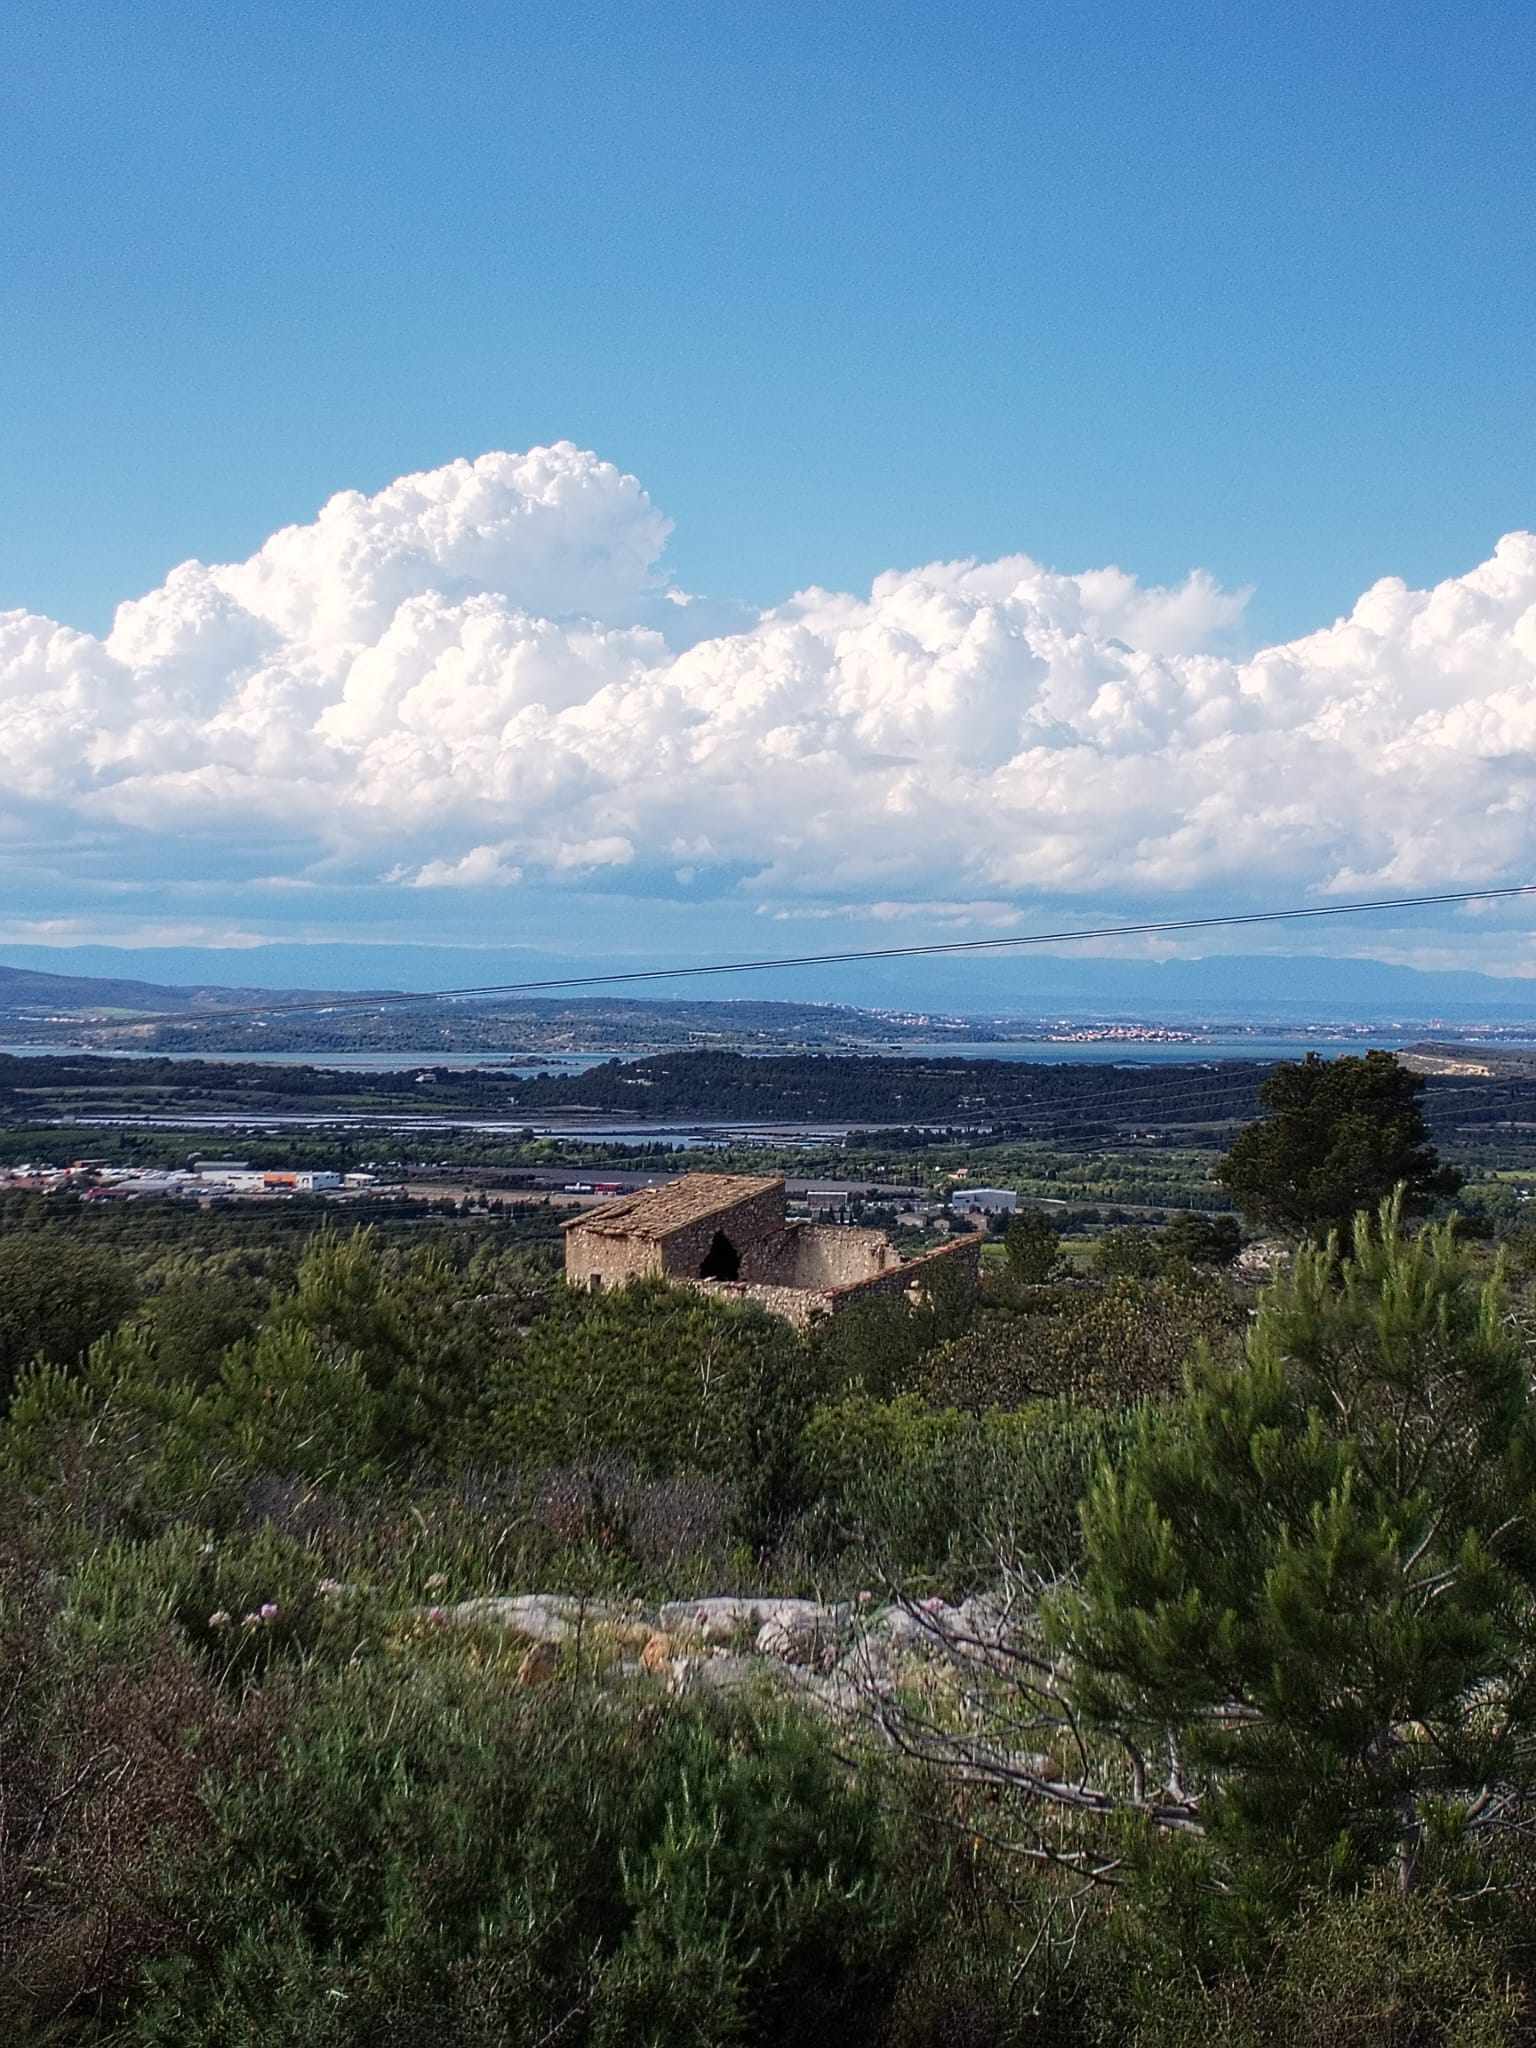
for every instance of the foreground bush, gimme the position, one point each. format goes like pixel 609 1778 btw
pixel 437 1859
pixel 1380 1971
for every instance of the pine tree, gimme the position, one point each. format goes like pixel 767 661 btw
pixel 1308 1591
pixel 1339 1137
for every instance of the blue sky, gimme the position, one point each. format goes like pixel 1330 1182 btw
pixel 1244 287
pixel 1244 290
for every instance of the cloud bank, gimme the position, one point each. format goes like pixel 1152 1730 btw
pixel 481 678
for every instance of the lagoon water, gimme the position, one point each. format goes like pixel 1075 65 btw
pixel 1121 1052
pixel 682 1134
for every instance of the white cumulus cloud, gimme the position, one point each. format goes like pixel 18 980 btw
pixel 480 677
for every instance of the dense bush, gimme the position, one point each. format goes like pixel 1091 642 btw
pixel 1109 1345
pixel 103 1760
pixel 931 1497
pixel 1377 1971
pixel 432 1857
pixel 56 1299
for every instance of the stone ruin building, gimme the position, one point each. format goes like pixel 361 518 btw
pixel 727 1234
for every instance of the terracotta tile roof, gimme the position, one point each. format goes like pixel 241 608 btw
pixel 657 1212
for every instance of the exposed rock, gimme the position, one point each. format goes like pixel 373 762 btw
pixel 715 1620
pixel 986 1615
pixel 728 1618
pixel 724 1672
pixel 725 1642
pixel 683 1675
pixel 871 1662
pixel 1261 1260
pixel 795 1639
pixel 924 1626
pixel 542 1617
pixel 828 1620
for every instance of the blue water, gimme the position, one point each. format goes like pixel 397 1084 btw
pixel 339 1062
pixel 1160 1053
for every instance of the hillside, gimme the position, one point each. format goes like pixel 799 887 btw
pixel 103 1011
pixel 1230 987
pixel 28 997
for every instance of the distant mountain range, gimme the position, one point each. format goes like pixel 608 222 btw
pixel 1026 985
pixel 28 992
pixel 114 1011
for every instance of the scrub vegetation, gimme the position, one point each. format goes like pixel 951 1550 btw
pixel 1205 1703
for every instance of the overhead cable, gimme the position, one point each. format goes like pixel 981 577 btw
pixel 395 999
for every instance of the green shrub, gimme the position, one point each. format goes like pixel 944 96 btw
pixel 878 1346
pixel 929 1495
pixel 238 1602
pixel 368 1364
pixel 102 1765
pixel 661 1375
pixel 1376 1971
pixel 1121 1342
pixel 438 1859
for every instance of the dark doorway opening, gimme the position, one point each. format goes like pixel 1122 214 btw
pixel 722 1261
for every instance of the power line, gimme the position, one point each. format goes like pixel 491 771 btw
pixel 396 1000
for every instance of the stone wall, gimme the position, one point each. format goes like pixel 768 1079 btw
pixel 595 1260
pixel 803 1305
pixel 963 1257
pixel 754 1226
pixel 828 1255
pixel 798 1305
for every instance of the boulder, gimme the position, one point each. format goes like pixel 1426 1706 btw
pixel 987 1616
pixel 830 1620
pixel 730 1617
pixel 715 1620
pixel 927 1624
pixel 723 1672
pixel 542 1617
pixel 683 1676
pixel 1261 1261
pixel 795 1639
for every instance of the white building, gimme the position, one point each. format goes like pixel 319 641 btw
pixel 232 1177
pixel 984 1201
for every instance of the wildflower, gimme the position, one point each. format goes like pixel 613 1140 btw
pixel 437 1617
pixel 250 1621
pixel 933 1604
pixel 270 1611
pixel 219 1619
pixel 865 1598
pixel 437 1582
pixel 327 1588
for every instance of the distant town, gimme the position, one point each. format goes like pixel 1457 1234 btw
pixel 211 1181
